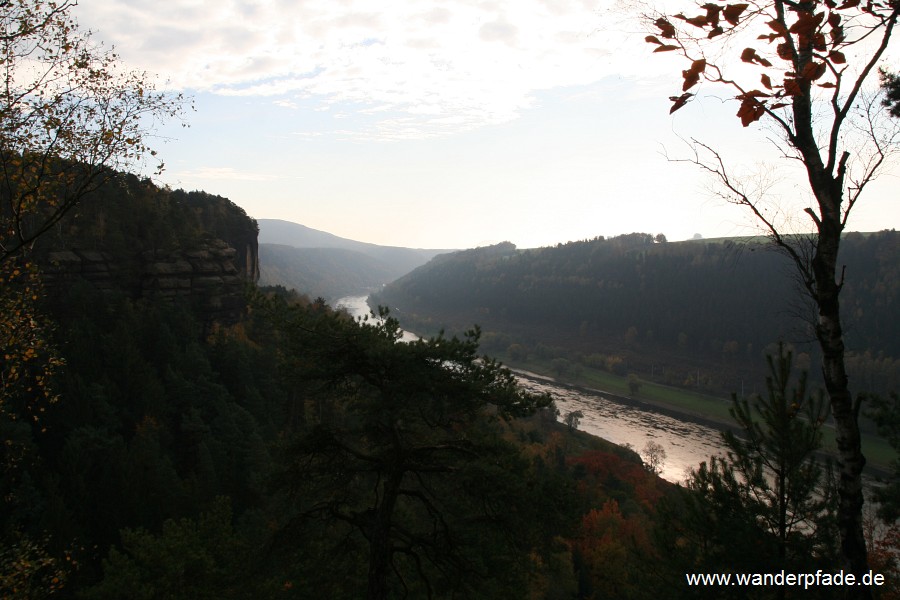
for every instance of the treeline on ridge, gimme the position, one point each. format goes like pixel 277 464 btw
pixel 670 305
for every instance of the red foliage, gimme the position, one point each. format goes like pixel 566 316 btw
pixel 884 558
pixel 607 471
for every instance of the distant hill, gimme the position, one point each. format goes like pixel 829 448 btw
pixel 318 263
pixel 327 272
pixel 661 310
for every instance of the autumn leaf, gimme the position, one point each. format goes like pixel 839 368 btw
pixel 766 81
pixel 698 21
pixel 792 87
pixel 692 75
pixel 733 12
pixel 836 57
pixel 837 31
pixel 777 26
pixel 837 35
pixel 667 30
pixel 679 101
pixel 749 55
pixel 813 71
pixel 712 13
pixel 819 42
pixel 806 24
pixel 666 48
pixel 751 110
pixel 848 4
pixel 785 52
pixel 752 94
pixel 690 80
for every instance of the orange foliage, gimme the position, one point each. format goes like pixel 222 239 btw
pixel 608 471
pixel 610 547
pixel 27 361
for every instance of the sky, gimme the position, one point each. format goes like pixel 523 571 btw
pixel 445 124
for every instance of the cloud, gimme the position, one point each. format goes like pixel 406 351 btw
pixel 499 30
pixel 466 63
pixel 223 174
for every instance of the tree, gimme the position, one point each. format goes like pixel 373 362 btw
pixel 189 559
pixel 655 456
pixel 403 463
pixel 573 419
pixel 803 71
pixel 775 455
pixel 768 503
pixel 890 82
pixel 70 115
pixel 634 385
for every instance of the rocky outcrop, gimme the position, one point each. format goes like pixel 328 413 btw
pixel 66 266
pixel 149 242
pixel 206 276
pixel 210 277
pixel 246 257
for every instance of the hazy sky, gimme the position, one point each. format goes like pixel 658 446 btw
pixel 442 124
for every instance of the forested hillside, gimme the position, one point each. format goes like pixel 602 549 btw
pixel 154 450
pixel 330 273
pixel 663 308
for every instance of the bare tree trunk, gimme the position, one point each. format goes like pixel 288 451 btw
pixel 844 410
pixel 821 275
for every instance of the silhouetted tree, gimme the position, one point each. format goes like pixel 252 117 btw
pixel 70 115
pixel 804 74
pixel 406 457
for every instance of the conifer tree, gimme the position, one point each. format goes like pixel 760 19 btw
pixel 768 504
pixel 775 455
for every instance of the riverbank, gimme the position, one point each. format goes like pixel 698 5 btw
pixel 676 412
pixel 700 409
pixel 677 403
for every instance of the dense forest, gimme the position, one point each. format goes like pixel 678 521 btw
pixel 149 455
pixel 662 308
pixel 294 452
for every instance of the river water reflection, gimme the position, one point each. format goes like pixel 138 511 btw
pixel 686 443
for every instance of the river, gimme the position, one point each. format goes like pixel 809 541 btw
pixel 686 443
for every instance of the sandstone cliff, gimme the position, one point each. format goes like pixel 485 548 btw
pixel 150 242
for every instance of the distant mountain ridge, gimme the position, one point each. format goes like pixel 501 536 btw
pixel 318 263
